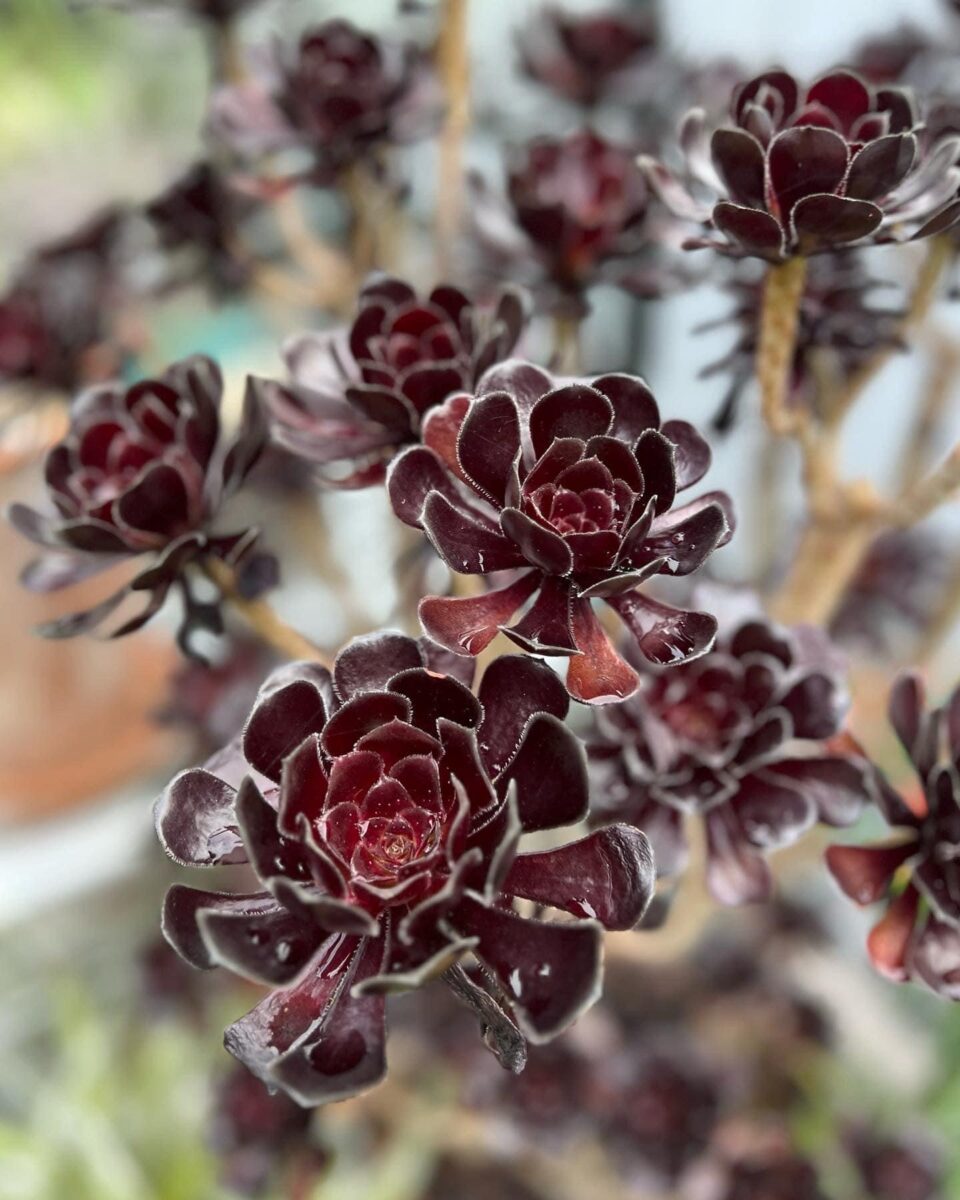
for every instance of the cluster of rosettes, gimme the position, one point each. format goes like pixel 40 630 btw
pixel 917 873
pixel 739 738
pixel 575 212
pixel 342 94
pixel 805 171
pixel 839 329
pixel 571 489
pixel 143 469
pixel 357 396
pixel 380 808
pixel 589 57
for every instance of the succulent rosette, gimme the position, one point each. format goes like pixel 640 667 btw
pixel 918 871
pixel 143 470
pixel 740 739
pixel 803 171
pixel 587 57
pixel 838 323
pixel 357 396
pixel 199 214
pixel 56 315
pixel 380 808
pixel 570 487
pixel 341 94
pixel 575 214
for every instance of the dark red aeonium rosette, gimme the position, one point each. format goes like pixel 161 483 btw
pixel 588 56
pixel 200 212
pixel 385 841
pixel 572 489
pixel 917 873
pixel 143 470
pixel 341 93
pixel 358 395
pixel 56 316
pixel 801 172
pixel 738 738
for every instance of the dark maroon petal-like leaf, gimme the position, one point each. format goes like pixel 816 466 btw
pixel 303 786
pixel 905 712
pixel 444 662
pixel 692 455
pixel 93 537
pixel 772 812
pixel 414 475
pixel 685 537
pixel 525 382
pixel 361 715
pixel 546 627
pixel 656 458
pixel 572 411
pixel 195 820
pixel 821 222
pixel 880 166
pixel 865 873
pixel 78 623
pixel 466 543
pixel 634 408
pixel 280 721
pixel 488 444
pixel 739 159
pixel 549 973
pixel 431 697
pixel 51 572
pixel 750 229
pixel 837 787
pixel 369 662
pixel 597 674
pixel 736 873
pixel 805 161
pixel 270 854
pixel 608 876
pixel 181 907
pixel 549 771
pixel 468 624
pixel 513 689
pixel 345 1052
pixel 271 946
pixel 384 407
pixel 36 527
pixel 541 547
pixel 664 635
pixel 158 503
pixel 814 703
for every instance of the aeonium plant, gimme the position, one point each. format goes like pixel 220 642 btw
pixel 358 395
pixel 564 493
pixel 142 473
pixel 380 807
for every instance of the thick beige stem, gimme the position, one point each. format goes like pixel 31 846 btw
pixel 261 618
pixel 566 344
pixel 776 344
pixel 453 67
pixel 826 562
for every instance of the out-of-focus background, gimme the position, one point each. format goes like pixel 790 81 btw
pixel 114 1087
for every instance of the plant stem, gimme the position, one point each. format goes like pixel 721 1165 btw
pixel 779 318
pixel 453 67
pixel 358 186
pixel 566 343
pixel 261 617
pixel 826 561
